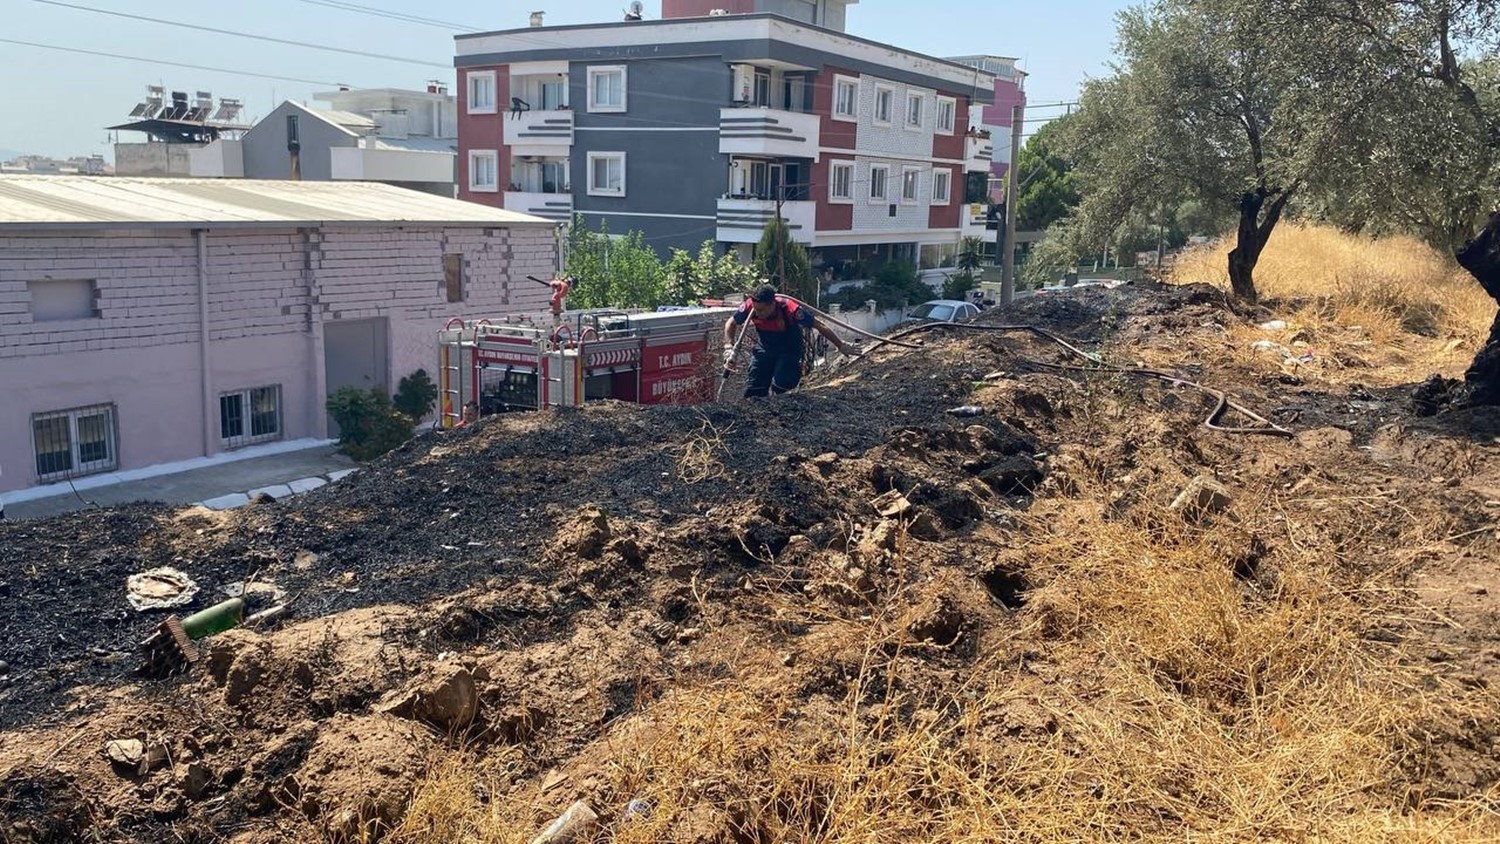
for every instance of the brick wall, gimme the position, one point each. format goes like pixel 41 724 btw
pixel 269 294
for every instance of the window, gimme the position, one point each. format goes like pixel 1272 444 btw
pixel 482 92
pixel 910 179
pixel 883 97
pixel 483 169
pixel 914 111
pixel 607 88
pixel 841 181
pixel 250 416
pixel 68 443
pixel 942 186
pixel 606 174
pixel 878 175
pixel 552 95
pixel 947 107
pixel 845 97
pixel 453 277
pixel 53 300
pixel 761 96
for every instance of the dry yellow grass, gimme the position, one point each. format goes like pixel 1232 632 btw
pixel 1382 312
pixel 1171 704
pixel 1382 284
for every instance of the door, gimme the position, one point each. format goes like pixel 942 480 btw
pixel 354 355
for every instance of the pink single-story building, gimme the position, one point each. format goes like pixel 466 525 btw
pixel 155 321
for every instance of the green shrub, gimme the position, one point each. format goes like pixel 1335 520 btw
pixel 416 395
pixel 369 424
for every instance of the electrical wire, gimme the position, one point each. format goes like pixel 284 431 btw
pixel 237 34
pixel 398 16
pixel 103 54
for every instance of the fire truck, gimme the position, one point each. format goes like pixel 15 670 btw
pixel 669 356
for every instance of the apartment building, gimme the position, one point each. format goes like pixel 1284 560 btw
pixel 703 126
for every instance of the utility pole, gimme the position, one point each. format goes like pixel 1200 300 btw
pixel 1008 267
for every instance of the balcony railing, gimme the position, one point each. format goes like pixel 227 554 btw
pixel 741 220
pixel 538 132
pixel 768 131
pixel 552 206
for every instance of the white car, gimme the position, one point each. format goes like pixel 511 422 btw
pixel 944 310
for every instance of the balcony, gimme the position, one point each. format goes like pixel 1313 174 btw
pixel 548 132
pixel 979 152
pixel 741 220
pixel 378 164
pixel 552 206
pixel 768 131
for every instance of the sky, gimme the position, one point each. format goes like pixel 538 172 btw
pixel 58 103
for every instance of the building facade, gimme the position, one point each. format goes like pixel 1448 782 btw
pixel 703 128
pixel 398 137
pixel 153 321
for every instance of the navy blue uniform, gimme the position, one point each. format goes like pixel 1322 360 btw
pixel 776 362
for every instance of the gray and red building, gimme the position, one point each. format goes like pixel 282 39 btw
pixel 700 127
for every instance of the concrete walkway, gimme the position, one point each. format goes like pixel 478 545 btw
pixel 217 487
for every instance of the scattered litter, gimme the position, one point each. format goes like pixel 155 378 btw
pixel 890 504
pixel 637 808
pixel 170 647
pixel 255 592
pixel 1268 346
pixel 1274 325
pixel 159 589
pixel 578 823
pixel 966 410
pixel 1201 496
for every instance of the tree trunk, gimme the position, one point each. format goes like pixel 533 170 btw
pixel 1247 246
pixel 1481 257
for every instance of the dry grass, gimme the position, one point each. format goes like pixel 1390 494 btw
pixel 1144 693
pixel 1382 312
pixel 1383 284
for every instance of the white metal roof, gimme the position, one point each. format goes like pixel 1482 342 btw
pixel 41 202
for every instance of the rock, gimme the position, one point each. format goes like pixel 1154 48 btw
pixel 1012 474
pixel 629 550
pixel 577 824
pixel 4 668
pixel 1274 325
pixel 925 525
pixel 884 536
pixel 826 462
pixel 590 532
pixel 447 700
pixel 891 504
pixel 125 752
pixel 194 779
pixel 1202 496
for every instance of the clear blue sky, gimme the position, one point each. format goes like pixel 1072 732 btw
pixel 57 103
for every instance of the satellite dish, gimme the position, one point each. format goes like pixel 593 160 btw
pixel 636 7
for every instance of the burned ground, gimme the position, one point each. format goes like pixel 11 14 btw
pixel 546 589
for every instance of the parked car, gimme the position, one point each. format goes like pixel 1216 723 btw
pixel 944 310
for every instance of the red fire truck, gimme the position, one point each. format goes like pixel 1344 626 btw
pixel 668 356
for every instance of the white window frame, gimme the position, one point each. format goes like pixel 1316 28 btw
pixel 875 105
pixel 915 173
pixel 885 195
pixel 77 465
pixel 247 436
pixel 601 70
pixel 951 103
pixel 845 167
pixel 477 76
pixel 946 182
pixel 493 155
pixel 853 114
pixel 921 102
pixel 597 156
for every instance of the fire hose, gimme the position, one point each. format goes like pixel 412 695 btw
pixel 1222 403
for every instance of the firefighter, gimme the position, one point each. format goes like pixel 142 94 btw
pixel 776 362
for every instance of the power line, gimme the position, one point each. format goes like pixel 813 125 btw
pixel 170 63
pixel 243 34
pixel 398 16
